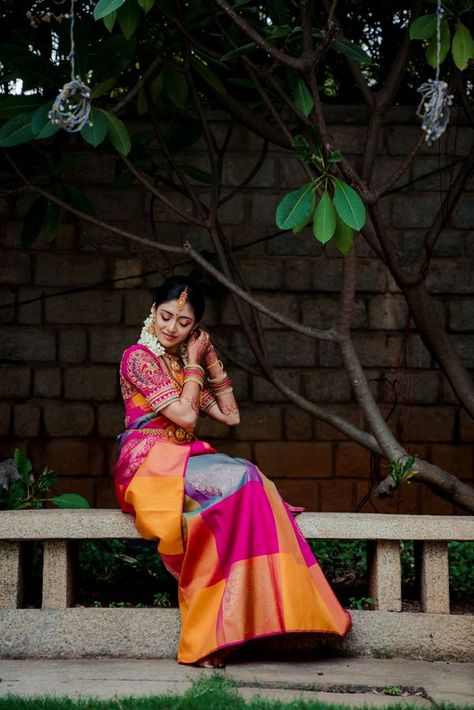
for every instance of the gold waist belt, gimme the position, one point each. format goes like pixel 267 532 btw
pixel 178 434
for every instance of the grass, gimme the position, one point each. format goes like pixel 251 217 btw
pixel 214 692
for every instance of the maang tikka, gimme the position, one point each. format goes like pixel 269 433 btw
pixel 183 297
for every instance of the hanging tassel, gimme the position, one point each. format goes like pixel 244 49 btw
pixel 434 108
pixel 72 106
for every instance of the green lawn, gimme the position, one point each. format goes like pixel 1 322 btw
pixel 212 693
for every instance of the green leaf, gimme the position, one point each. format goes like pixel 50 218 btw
pixel 146 5
pixel 103 87
pixel 238 51
pixel 324 223
pixel 295 207
pixel 344 236
pixel 105 7
pixel 299 227
pixel 77 198
pixel 303 99
pixel 23 465
pixel 109 20
pixel 33 222
pixel 52 219
pixel 70 500
pixel 423 27
pixel 196 174
pixel 348 204
pixel 128 18
pixel 16 131
pixel 334 156
pixel 463 46
pixel 156 87
pixel 176 87
pixel 117 133
pixel 351 51
pixel 14 105
pixel 142 105
pixel 431 50
pixel 41 126
pixel 95 134
pixel 207 75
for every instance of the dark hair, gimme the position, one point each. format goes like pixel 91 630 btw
pixel 172 288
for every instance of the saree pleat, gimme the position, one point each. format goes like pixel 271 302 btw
pixel 244 568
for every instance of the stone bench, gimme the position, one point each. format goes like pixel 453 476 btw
pixel 60 630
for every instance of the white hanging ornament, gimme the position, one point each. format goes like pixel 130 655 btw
pixel 71 108
pixel 435 101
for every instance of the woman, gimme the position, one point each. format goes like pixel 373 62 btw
pixel 244 568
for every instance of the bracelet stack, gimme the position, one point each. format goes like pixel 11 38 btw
pixel 220 385
pixel 194 373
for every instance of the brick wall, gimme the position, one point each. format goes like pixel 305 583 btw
pixel 59 394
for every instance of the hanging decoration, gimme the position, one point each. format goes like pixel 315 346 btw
pixel 72 106
pixel 435 101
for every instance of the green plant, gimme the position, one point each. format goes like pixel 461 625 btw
pixel 392 690
pixel 380 653
pixel 361 603
pixel 401 470
pixel 20 488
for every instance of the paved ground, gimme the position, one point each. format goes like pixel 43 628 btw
pixel 349 680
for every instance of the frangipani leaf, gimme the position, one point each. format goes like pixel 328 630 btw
pixel 324 223
pixel 105 7
pixel 344 236
pixel 295 207
pixel 463 46
pixel 348 204
pixel 423 27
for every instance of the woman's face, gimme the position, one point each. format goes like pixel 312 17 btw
pixel 172 327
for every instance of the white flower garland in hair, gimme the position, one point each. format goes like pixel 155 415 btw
pixel 148 338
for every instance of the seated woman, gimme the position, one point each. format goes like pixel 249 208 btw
pixel 243 567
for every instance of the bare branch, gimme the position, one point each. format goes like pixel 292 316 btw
pixel 252 34
pixel 249 177
pixel 147 74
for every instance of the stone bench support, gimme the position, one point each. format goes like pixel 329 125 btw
pixel 385 574
pixel 434 577
pixel 58 574
pixel 11 582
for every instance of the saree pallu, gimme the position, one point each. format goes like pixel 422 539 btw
pixel 244 569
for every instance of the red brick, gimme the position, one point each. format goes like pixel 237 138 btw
pixel 433 504
pixel 466 426
pixel 455 458
pixel 302 459
pixel 349 412
pixel 104 493
pixel 48 382
pixel 15 381
pixel 425 423
pixel 75 457
pixel 336 496
pixel 64 419
pixel 352 460
pixel 262 422
pixel 26 419
pixel 299 491
pixel 298 425
pixel 110 418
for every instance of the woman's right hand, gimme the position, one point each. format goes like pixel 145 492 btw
pixel 198 344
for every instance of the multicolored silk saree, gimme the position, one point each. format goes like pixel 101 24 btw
pixel 244 569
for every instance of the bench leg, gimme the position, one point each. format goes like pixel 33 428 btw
pixel 57 574
pixel 385 578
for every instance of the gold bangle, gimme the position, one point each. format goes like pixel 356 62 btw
pixel 219 378
pixel 216 362
pixel 193 379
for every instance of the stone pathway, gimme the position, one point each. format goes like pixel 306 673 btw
pixel 353 681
